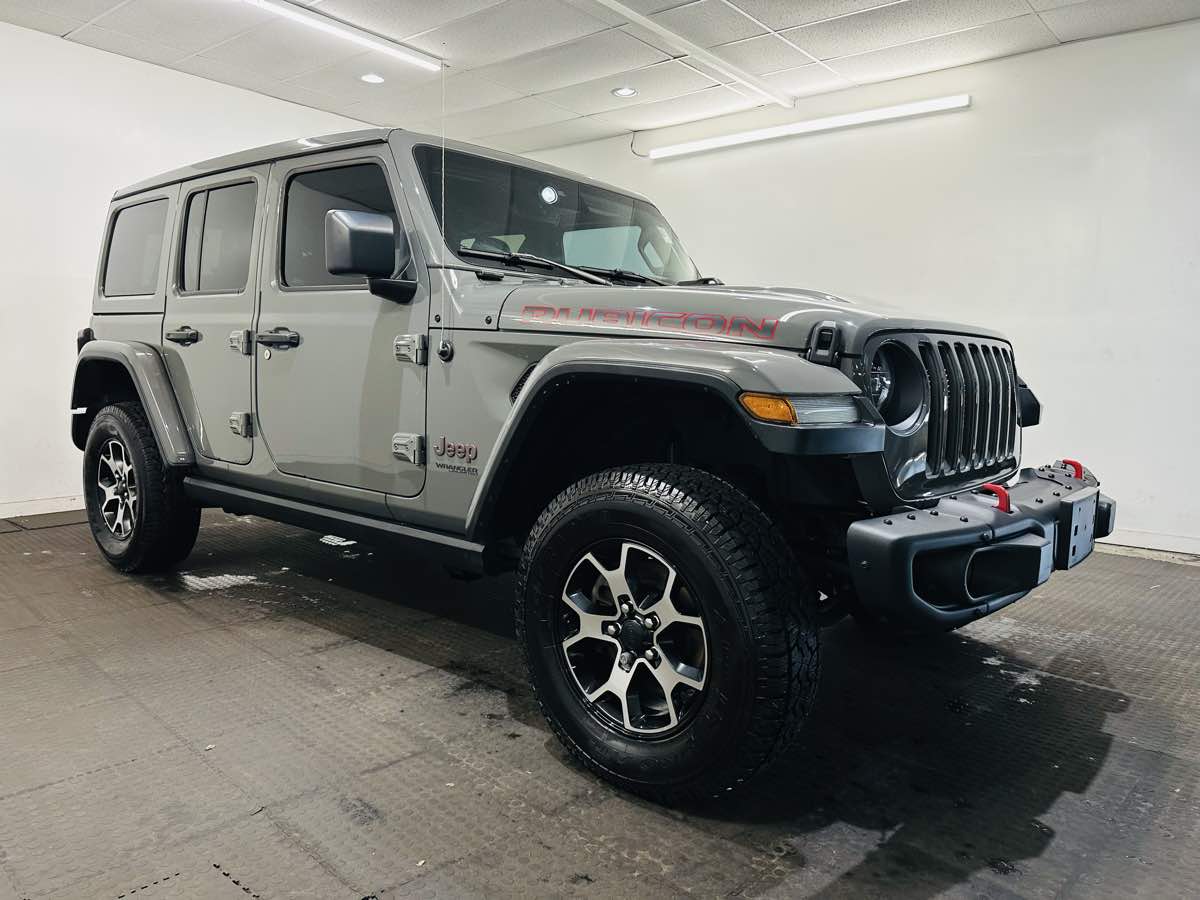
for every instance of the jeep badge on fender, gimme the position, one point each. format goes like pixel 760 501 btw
pixel 446 447
pixel 689 478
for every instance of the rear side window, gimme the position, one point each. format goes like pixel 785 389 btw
pixel 131 266
pixel 216 239
pixel 312 194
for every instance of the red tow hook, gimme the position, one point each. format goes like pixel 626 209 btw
pixel 1076 465
pixel 1001 492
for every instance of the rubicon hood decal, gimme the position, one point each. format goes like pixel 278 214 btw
pixel 780 317
pixel 693 323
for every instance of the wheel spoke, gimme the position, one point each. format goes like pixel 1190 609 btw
pixel 670 675
pixel 618 584
pixel 668 614
pixel 110 494
pixel 591 624
pixel 617 685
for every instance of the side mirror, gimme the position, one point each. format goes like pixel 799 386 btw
pixel 364 243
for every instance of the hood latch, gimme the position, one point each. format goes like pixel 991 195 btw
pixel 824 344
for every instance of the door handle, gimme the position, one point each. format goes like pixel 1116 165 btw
pixel 280 337
pixel 185 335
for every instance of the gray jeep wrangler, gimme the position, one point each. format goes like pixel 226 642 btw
pixel 392 338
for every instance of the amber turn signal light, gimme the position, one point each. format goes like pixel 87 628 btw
pixel 769 408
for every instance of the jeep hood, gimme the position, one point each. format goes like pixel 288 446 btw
pixel 777 317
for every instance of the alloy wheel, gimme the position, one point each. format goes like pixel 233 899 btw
pixel 116 479
pixel 633 638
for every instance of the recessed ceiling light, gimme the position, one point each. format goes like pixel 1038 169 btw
pixel 625 91
pixel 372 78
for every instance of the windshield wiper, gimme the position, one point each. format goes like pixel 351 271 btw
pixel 528 259
pixel 707 279
pixel 626 275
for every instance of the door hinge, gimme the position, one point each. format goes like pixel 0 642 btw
pixel 413 348
pixel 241 423
pixel 241 342
pixel 409 448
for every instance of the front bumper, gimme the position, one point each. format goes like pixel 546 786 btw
pixel 945 565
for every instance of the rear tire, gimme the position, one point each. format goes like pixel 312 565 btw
pixel 139 516
pixel 731 635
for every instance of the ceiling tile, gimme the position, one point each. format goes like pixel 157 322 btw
pixel 508 30
pixel 514 115
pixel 780 14
pixel 285 90
pixel 282 50
pixel 658 82
pixel 763 54
pixel 1099 17
pixel 704 104
pixel 28 17
pixel 228 73
pixel 572 131
pixel 582 60
pixel 225 72
pixel 463 92
pixel 190 25
pixel 708 23
pixel 399 19
pixel 899 23
pixel 127 45
pixel 52 16
pixel 427 127
pixel 806 80
pixel 344 78
pixel 990 41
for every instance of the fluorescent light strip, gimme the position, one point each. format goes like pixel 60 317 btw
pixel 347 33
pixel 811 126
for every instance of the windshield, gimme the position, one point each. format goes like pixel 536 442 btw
pixel 502 208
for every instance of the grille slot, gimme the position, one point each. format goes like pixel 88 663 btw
pixel 972 406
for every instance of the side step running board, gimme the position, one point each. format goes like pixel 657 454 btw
pixel 457 552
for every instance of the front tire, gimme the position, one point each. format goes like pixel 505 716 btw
pixel 669 635
pixel 139 516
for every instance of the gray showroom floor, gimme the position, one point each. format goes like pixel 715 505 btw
pixel 288 717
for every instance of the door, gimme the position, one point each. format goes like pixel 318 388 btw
pixel 334 392
pixel 210 309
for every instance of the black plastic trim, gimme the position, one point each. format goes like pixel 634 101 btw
pixel 458 551
pixel 865 437
pixel 1038 536
pixel 1029 405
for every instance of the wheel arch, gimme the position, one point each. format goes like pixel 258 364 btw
pixel 689 386
pixel 110 371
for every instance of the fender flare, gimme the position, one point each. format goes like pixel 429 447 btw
pixel 149 376
pixel 726 370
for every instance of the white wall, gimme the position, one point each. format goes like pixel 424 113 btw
pixel 75 124
pixel 1064 209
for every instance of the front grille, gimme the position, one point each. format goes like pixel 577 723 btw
pixel 972 405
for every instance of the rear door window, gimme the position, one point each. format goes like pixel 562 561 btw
pixel 134 250
pixel 217 236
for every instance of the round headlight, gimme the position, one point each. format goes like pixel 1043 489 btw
pixel 880 379
pixel 896 384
